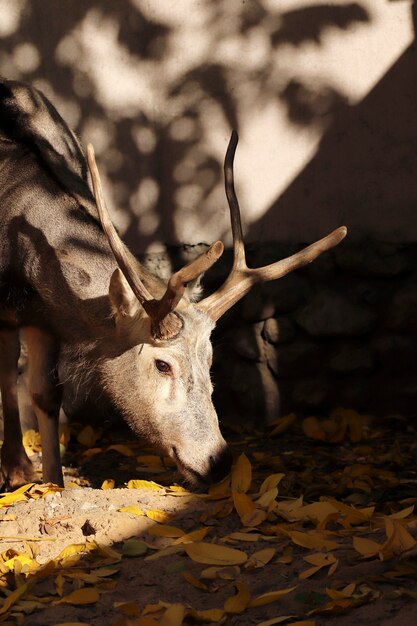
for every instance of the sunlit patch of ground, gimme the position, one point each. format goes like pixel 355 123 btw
pixel 316 525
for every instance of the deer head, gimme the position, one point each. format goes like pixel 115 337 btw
pixel 170 340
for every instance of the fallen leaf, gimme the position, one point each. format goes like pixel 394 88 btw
pixel 241 475
pixel 143 484
pixel 159 516
pixel 134 547
pixel 107 484
pixel 133 509
pixel 260 558
pixel 271 596
pixel 165 531
pixel 237 604
pixel 173 616
pixel 82 596
pixel 213 554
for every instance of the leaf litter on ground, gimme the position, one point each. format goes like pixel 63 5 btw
pixel 326 506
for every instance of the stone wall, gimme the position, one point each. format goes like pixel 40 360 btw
pixel 342 331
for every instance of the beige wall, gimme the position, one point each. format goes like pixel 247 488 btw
pixel 323 96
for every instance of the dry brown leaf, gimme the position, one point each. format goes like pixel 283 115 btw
pixel 313 541
pixel 143 484
pixel 86 595
pixel 173 616
pixel 238 603
pixel 260 558
pixel 213 554
pixel 271 596
pixel 133 509
pixel 282 424
pixel 108 484
pixel 241 475
pixel 165 531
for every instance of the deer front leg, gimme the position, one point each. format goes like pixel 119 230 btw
pixel 45 395
pixel 16 468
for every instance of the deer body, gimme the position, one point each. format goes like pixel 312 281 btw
pixel 85 305
pixel 55 283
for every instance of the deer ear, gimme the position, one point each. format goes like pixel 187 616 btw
pixel 124 303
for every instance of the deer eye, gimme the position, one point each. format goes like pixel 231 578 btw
pixel 163 367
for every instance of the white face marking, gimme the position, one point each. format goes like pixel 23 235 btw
pixel 164 391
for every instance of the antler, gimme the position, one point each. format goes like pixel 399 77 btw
pixel 165 323
pixel 241 277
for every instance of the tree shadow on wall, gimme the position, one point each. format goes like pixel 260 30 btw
pixel 185 172
pixel 364 172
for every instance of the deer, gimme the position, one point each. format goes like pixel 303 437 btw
pixel 83 303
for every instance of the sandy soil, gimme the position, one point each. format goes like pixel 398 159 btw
pixel 137 567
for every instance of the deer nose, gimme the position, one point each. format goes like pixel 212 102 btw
pixel 220 465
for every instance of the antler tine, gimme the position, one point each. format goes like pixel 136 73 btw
pixel 165 323
pixel 239 260
pixel 119 251
pixel 242 278
pixel 178 281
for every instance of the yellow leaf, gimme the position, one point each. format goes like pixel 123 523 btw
pixel 130 609
pixel 320 559
pixel 213 554
pixel 122 449
pixel 108 484
pixel 194 535
pixel 403 514
pixel 366 547
pixel 316 512
pixel 260 558
pixel 242 474
pixel 22 559
pixel 88 436
pixel 32 440
pixel 341 594
pixel 313 541
pixel 267 498
pixel 86 595
pixel 287 556
pixel 240 536
pixel 194 581
pixel 15 496
pixel 133 509
pixel 256 517
pixel 271 596
pixel 165 552
pixel 207 615
pixel 13 597
pixel 312 429
pixel 308 573
pixel 71 550
pixel 159 516
pixel 173 616
pixel 243 504
pixel 90 452
pixel 238 603
pixel 282 424
pixel 220 490
pixel 165 531
pixel 230 572
pixel 134 547
pixel 269 483
pixel 143 484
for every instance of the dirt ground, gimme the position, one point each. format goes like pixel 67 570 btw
pixel 311 528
